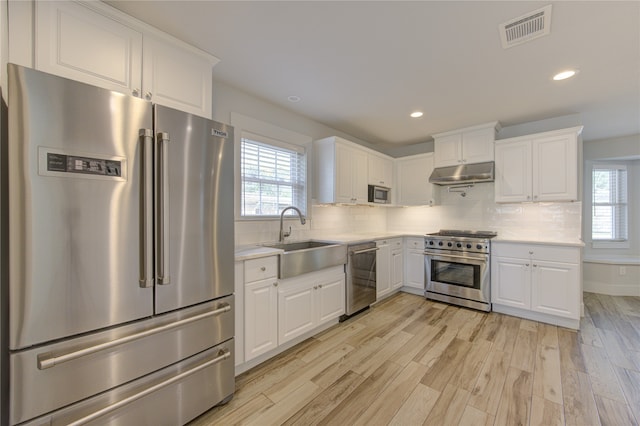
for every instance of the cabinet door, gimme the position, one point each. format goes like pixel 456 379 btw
pixel 477 146
pixel 555 168
pixel 330 299
pixel 555 289
pixel 510 282
pixel 344 174
pixel 412 183
pixel 261 318
pixel 415 269
pixel 177 76
pixel 397 269
pixel 447 150
pixel 383 269
pixel 296 310
pixel 358 166
pixel 380 171
pixel 513 172
pixel 78 43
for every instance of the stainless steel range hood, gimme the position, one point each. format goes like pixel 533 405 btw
pixel 464 173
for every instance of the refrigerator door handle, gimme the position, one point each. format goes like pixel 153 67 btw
pixel 162 209
pixel 146 230
pixel 221 356
pixel 46 360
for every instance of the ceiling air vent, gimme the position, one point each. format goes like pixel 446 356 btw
pixel 526 27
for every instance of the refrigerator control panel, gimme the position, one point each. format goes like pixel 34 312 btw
pixel 57 163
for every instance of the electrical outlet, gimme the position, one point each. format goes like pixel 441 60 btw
pixel 622 270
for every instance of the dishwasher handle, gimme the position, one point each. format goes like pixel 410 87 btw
pixel 351 253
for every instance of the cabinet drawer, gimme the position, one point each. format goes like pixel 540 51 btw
pixel 415 243
pixel 260 269
pixel 395 243
pixel 563 254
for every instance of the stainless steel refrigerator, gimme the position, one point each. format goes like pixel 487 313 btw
pixel 121 257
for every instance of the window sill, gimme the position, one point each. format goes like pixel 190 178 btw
pixel 610 244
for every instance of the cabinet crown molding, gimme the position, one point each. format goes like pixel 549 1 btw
pixel 493 124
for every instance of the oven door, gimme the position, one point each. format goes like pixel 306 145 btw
pixel 460 275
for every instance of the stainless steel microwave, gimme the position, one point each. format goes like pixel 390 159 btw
pixel 379 194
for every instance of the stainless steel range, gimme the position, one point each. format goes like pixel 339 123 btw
pixel 457 268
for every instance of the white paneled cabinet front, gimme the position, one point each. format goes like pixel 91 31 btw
pixel 397 267
pixel 539 279
pixel 465 146
pixel 380 170
pixel 541 167
pixel 389 266
pixel 309 301
pixel 412 180
pixel 260 306
pixel 341 171
pixel 95 44
pixel 414 261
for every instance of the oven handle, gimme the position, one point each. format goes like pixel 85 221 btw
pixel 433 254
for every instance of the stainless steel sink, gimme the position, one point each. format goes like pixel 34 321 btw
pixel 308 256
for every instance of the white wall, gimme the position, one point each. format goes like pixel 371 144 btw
pixel 614 271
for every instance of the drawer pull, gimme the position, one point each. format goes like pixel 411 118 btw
pixel 263 268
pixel 222 355
pixel 45 361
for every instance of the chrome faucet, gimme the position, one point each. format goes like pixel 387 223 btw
pixel 284 234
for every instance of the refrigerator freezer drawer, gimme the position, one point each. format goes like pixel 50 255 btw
pixel 96 363
pixel 172 396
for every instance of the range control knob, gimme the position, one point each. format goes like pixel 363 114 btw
pixel 459 245
pixel 430 243
pixel 479 246
pixel 449 244
pixel 440 243
pixel 468 245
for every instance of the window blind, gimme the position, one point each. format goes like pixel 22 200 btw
pixel 272 177
pixel 609 217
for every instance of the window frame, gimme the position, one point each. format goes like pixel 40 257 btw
pixel 277 135
pixel 284 147
pixel 615 242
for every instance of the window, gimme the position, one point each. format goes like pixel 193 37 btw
pixel 609 216
pixel 273 176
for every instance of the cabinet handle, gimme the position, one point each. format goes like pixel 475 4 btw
pixel 535 266
pixel 148 96
pixel 136 92
pixel 315 287
pixel 535 197
pixel 319 285
pixel 263 268
pixel 275 284
pixel 530 252
pixel 528 197
pixel 526 264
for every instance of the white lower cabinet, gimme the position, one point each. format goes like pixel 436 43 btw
pixel 539 282
pixel 309 301
pixel 389 267
pixel 414 264
pixel 260 306
pixel 397 267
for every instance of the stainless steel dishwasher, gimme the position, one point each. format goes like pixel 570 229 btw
pixel 361 277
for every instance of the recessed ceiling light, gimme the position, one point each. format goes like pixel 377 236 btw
pixel 416 114
pixel 564 75
pixel 294 98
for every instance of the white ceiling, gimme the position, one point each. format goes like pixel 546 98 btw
pixel 362 66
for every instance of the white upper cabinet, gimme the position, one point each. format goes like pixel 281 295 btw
pixel 465 146
pixel 412 180
pixel 540 167
pixel 341 171
pixel 380 170
pixel 95 44
pixel 76 42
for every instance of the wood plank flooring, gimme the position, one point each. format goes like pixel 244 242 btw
pixel 409 361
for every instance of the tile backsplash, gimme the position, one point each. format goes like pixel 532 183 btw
pixel 475 211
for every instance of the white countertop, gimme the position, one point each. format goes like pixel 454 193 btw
pixel 257 251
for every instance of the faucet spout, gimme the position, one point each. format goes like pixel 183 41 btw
pixel 283 233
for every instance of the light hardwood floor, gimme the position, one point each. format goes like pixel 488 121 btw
pixel 409 361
